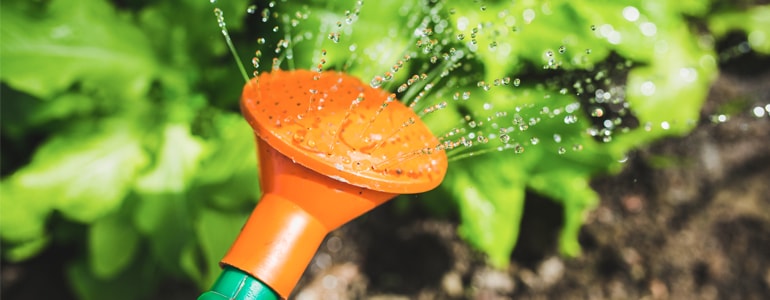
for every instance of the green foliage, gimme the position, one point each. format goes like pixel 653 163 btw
pixel 124 117
pixel 125 136
pixel 574 35
pixel 755 22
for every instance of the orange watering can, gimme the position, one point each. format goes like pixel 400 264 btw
pixel 330 149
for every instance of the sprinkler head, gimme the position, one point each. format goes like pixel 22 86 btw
pixel 330 149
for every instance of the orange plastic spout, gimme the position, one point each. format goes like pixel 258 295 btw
pixel 298 209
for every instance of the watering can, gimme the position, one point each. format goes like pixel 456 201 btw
pixel 330 149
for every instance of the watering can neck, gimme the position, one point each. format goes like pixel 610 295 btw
pixel 297 210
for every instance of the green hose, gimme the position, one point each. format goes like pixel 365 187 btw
pixel 234 284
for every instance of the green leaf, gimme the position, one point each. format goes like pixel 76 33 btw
pixel 216 231
pixel 228 178
pixel 233 148
pixel 755 22
pixel 570 187
pixel 191 262
pixel 25 250
pixel 491 203
pixel 178 160
pixel 83 172
pixel 48 47
pixel 112 244
pixel 166 221
pixel 22 214
pixel 136 282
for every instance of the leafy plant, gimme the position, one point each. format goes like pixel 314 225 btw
pixel 115 116
pixel 564 89
pixel 130 135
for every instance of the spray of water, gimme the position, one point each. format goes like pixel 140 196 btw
pixel 430 74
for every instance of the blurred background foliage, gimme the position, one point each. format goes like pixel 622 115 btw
pixel 122 137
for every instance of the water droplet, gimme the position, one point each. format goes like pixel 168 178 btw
pixel 562 49
pixel 252 9
pixel 570 119
pixel 758 111
pixel 376 82
pixel 597 112
pixel 549 53
pixel 534 140
pixel 298 138
pixel 505 138
pixel 518 149
pixel 466 95
pixel 648 88
pixel 577 147
pixel 720 118
pixel 460 37
pixel 335 37
pixel 516 82
pixel 557 138
pixel 562 150
pixel 361 165
pixel 588 51
pixel 529 15
pixel 631 13
pixel 593 27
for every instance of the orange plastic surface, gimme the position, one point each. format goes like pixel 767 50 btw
pixel 334 124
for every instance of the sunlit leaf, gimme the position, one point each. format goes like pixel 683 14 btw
pixel 49 47
pixel 491 204
pixel 85 173
pixel 177 162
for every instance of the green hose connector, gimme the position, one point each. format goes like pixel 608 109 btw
pixel 234 284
